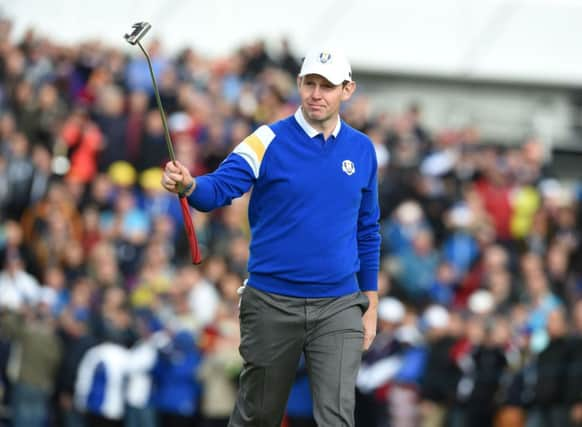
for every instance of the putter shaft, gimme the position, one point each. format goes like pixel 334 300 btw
pixel 139 30
pixel 160 107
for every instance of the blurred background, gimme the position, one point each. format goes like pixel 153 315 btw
pixel 474 108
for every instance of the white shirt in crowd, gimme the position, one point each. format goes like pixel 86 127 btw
pixel 114 359
pixel 18 288
pixel 142 358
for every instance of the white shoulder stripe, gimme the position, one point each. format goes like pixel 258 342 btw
pixel 265 134
pixel 247 153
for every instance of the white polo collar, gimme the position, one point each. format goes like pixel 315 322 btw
pixel 310 130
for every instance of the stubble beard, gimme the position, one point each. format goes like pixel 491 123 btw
pixel 318 119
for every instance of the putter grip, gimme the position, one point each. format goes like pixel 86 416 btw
pixel 190 232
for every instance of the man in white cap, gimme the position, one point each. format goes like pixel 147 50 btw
pixel 383 360
pixel 441 374
pixel 314 252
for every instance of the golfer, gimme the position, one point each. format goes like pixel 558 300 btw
pixel 314 251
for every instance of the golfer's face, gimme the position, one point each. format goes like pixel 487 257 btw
pixel 320 99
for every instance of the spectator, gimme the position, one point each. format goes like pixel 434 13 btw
pixel 203 297
pixel 541 303
pixel 287 59
pixel 76 340
pixel 49 111
pixel 17 287
pixel 103 267
pixel 112 122
pixel 140 411
pixel 51 224
pixel 136 73
pixel 417 267
pixel 54 292
pixel 380 364
pixel 552 375
pixel 99 389
pixel 300 404
pixel 153 150
pixel 136 118
pixel 439 382
pixel 574 368
pixel 483 369
pixel 19 177
pixel 42 161
pixel 14 245
pixel 177 388
pixel 219 370
pixel 405 391
pixel 34 359
pixel 112 321
pixel 128 227
pixel 84 140
pixel 494 189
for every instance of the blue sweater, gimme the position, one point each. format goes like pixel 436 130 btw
pixel 313 210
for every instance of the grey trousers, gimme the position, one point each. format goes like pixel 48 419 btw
pixel 275 330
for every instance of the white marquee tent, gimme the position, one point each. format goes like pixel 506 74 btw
pixel 533 41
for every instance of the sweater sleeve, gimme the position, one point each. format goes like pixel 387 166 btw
pixel 232 179
pixel 369 233
pixel 235 175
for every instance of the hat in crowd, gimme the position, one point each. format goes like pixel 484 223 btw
pixel 151 179
pixel 329 63
pixel 439 163
pixel 179 122
pixel 390 310
pixel 122 173
pixel 553 190
pixel 461 216
pixel 435 317
pixel 409 334
pixel 409 212
pixel 382 155
pixel 481 302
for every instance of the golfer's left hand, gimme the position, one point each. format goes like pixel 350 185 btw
pixel 370 319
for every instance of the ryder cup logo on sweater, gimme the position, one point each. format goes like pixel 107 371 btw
pixel 348 167
pixel 324 57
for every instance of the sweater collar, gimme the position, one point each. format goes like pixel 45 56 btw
pixel 310 130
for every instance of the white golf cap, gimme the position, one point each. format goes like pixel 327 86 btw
pixel 329 63
pixel 390 310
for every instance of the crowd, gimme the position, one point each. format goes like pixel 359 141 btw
pixel 105 321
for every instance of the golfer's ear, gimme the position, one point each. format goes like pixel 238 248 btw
pixel 348 90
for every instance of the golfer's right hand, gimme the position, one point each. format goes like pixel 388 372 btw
pixel 176 177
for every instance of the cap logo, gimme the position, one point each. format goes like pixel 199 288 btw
pixel 324 57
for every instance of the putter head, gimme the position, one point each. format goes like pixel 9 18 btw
pixel 139 29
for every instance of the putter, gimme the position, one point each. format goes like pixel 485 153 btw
pixel 139 30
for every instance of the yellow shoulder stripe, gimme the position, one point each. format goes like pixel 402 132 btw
pixel 256 145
